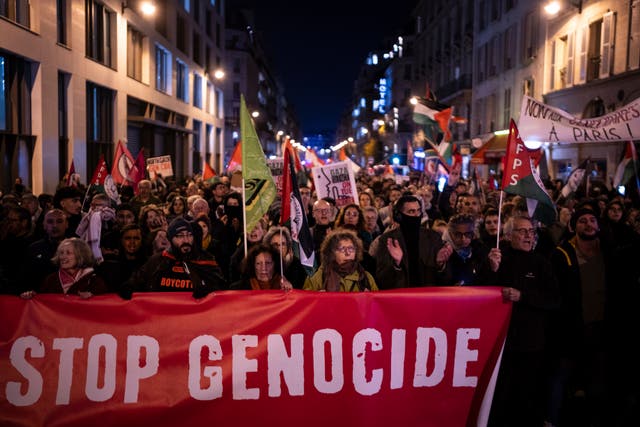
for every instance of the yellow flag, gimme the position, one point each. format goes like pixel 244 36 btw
pixel 260 190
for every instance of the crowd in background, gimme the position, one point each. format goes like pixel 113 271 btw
pixel 574 284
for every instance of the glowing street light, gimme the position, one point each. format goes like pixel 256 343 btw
pixel 219 73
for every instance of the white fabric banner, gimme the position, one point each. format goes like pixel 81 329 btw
pixel 543 123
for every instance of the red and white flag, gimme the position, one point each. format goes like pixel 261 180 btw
pixel 137 172
pixel 122 164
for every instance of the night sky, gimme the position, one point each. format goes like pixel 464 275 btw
pixel 317 48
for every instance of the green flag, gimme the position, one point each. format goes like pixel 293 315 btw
pixel 521 178
pixel 260 190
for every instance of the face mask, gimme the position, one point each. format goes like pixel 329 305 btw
pixel 410 222
pixel 233 211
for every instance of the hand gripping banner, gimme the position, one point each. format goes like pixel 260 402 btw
pixel 414 357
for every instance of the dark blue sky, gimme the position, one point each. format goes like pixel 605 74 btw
pixel 317 49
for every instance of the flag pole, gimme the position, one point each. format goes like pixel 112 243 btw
pixel 244 216
pixel 499 220
pixel 281 261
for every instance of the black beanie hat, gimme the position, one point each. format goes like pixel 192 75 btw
pixel 177 225
pixel 580 212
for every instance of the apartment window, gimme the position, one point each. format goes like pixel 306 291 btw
pixel 481 55
pixel 217 35
pixel 606 45
pixel 236 90
pixel 236 66
pixel 561 62
pixel 181 34
pixel 196 11
pixel 197 90
pixel 98 32
pixel 493 53
pixel 495 10
pixel 529 36
pixel 182 81
pixel 209 98
pixel 506 110
pixel 15 95
pixel 208 22
pixel 134 53
pixel 219 104
pixel 528 87
pixel 509 47
pixel 197 50
pixel 482 13
pixel 163 69
pixel 63 124
pixel 100 117
pixel 197 157
pixel 62 21
pixel 16 11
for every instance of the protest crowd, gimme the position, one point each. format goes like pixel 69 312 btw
pixel 573 283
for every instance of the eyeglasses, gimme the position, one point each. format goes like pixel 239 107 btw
pixel 458 235
pixel 322 211
pixel 351 213
pixel 525 231
pixel 346 250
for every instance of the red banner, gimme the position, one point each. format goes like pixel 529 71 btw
pixel 414 357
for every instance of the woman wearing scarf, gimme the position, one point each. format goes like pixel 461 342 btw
pixel 260 271
pixel 341 270
pixel 75 275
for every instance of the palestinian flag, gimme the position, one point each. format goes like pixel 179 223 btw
pixel 521 178
pixel 626 168
pixel 428 112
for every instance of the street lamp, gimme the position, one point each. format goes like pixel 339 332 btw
pixel 553 7
pixel 147 8
pixel 219 73
pixel 255 114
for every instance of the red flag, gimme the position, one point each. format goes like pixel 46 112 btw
pixel 286 145
pixel 72 171
pixel 137 172
pixel 236 158
pixel 342 155
pixel 122 164
pixel 521 178
pixel 208 172
pixel 101 172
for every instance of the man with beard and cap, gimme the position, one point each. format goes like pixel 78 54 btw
pixel 183 267
pixel 583 331
pixel 406 254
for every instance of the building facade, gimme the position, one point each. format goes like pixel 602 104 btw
pixel 81 75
